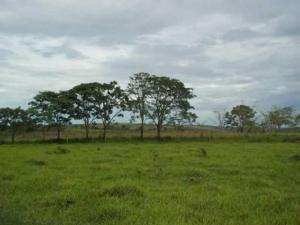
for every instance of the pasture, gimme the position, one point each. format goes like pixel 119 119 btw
pixel 172 183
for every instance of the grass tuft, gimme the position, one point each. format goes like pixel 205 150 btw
pixel 8 177
pixel 295 158
pixel 122 191
pixel 107 216
pixel 35 162
pixel 194 176
pixel 60 203
pixel 203 152
pixel 59 150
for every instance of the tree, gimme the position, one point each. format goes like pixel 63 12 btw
pixel 81 99
pixel 53 109
pixel 241 117
pixel 138 93
pixel 166 96
pixel 108 101
pixel 220 118
pixel 230 121
pixel 279 117
pixel 13 119
pixel 297 120
pixel 180 117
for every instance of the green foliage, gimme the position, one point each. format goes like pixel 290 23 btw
pixel 108 100
pixel 13 119
pixel 168 97
pixel 82 104
pixel 241 117
pixel 138 92
pixel 157 101
pixel 278 117
pixel 52 109
pixel 297 120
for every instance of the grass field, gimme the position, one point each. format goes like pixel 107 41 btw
pixel 150 183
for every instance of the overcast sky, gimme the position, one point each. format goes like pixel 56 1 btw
pixel 230 52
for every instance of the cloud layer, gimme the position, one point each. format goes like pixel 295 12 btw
pixel 230 52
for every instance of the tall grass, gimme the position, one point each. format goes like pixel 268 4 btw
pixel 126 132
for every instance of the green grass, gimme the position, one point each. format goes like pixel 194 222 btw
pixel 150 183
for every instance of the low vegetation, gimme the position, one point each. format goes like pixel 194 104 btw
pixel 188 182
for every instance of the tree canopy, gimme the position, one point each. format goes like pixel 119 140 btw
pixel 13 119
pixel 52 109
pixel 167 96
pixel 241 117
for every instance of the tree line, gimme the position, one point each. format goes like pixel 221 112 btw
pixel 159 99
pixel 148 97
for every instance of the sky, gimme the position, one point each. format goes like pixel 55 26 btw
pixel 229 52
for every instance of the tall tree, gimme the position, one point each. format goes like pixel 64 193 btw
pixel 53 109
pixel 81 99
pixel 13 119
pixel 166 96
pixel 297 119
pixel 108 100
pixel 280 116
pixel 181 117
pixel 241 117
pixel 230 121
pixel 138 93
pixel 220 118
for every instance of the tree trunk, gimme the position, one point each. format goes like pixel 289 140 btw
pixel 13 134
pixel 158 131
pixel 58 133
pixel 104 133
pixel 44 133
pixel 86 132
pixel 142 128
pixel 86 125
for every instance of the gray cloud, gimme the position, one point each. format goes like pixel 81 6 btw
pixel 5 53
pixel 60 50
pixel 229 51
